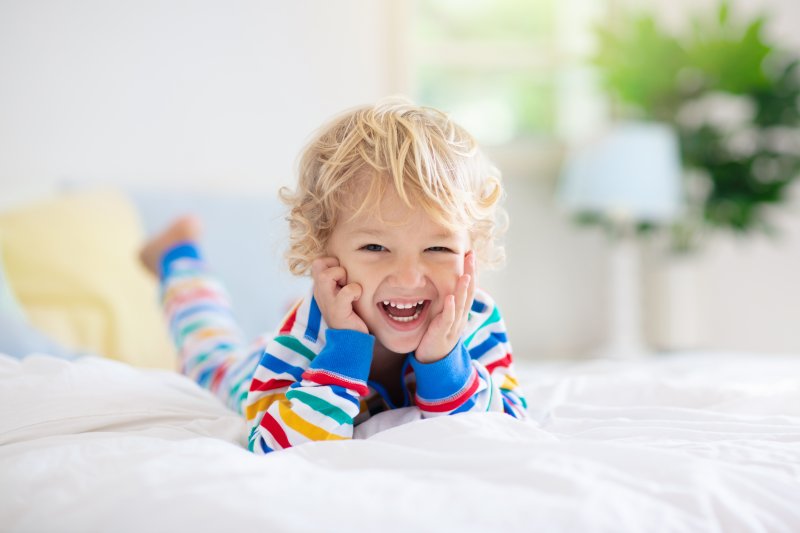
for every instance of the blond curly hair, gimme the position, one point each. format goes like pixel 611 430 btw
pixel 427 159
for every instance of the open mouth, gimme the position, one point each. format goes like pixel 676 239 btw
pixel 403 312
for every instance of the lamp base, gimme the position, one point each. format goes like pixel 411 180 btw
pixel 625 340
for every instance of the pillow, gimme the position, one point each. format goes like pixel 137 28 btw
pixel 72 264
pixel 9 306
pixel 17 337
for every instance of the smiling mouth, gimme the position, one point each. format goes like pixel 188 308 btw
pixel 400 312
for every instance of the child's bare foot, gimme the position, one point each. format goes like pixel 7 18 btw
pixel 185 228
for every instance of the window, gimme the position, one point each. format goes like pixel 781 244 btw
pixel 505 69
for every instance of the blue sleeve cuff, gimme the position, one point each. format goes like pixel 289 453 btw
pixel 347 353
pixel 182 250
pixel 445 377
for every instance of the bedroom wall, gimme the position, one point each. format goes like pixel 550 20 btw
pixel 222 95
pixel 201 92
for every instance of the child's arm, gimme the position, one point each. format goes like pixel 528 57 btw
pixel 297 397
pixel 306 390
pixel 290 399
pixel 477 375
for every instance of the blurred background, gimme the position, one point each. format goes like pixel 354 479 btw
pixel 222 96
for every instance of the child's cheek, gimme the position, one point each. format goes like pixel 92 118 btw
pixel 448 279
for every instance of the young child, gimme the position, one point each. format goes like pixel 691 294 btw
pixel 394 206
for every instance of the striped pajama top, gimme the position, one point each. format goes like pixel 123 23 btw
pixel 309 382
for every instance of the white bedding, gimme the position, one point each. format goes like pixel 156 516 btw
pixel 702 442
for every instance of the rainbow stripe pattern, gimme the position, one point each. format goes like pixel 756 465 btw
pixel 308 382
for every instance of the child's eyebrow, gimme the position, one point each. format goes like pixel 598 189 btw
pixel 371 232
pixel 377 232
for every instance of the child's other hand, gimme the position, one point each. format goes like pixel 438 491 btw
pixel 445 330
pixel 335 296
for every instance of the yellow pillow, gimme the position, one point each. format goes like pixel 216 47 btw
pixel 72 264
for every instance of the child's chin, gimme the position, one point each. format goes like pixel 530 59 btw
pixel 401 347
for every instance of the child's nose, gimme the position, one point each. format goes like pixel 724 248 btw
pixel 408 273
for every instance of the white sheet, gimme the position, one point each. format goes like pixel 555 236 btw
pixel 698 442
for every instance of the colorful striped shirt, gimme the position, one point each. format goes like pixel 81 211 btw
pixel 309 382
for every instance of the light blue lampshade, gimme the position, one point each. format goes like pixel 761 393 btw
pixel 632 173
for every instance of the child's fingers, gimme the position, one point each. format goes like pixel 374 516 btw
pixel 345 309
pixel 332 277
pixel 322 277
pixel 460 303
pixel 349 294
pixel 471 269
pixel 321 263
pixel 469 263
pixel 328 276
pixel 462 292
pixel 449 313
pixel 470 293
pixel 437 341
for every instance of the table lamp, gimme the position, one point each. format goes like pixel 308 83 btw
pixel 629 174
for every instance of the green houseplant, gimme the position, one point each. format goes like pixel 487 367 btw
pixel 732 98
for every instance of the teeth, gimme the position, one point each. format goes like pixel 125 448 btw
pixel 418 311
pixel 402 306
pixel 405 318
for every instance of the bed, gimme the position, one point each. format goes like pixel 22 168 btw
pixel 688 442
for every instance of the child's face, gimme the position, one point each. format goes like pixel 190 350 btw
pixel 404 260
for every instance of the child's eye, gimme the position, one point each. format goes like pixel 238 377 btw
pixel 373 248
pixel 439 249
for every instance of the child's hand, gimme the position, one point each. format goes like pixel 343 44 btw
pixel 445 330
pixel 335 296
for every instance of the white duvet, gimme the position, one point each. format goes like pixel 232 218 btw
pixel 702 442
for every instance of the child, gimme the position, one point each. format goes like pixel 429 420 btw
pixel 393 206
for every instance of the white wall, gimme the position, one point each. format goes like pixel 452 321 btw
pixel 223 94
pixel 552 287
